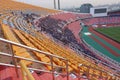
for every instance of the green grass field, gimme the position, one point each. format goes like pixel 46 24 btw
pixel 112 32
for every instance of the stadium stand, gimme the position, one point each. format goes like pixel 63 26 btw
pixel 18 26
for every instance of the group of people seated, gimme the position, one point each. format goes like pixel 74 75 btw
pixel 55 29
pixel 30 17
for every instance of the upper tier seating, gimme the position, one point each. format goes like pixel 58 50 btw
pixel 103 20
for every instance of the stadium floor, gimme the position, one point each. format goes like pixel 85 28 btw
pixel 101 45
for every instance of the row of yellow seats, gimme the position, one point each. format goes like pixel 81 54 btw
pixel 17 50
pixel 30 42
pixel 48 47
pixel 27 42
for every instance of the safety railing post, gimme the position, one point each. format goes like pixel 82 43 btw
pixel 107 76
pixel 79 68
pixel 23 74
pixel 14 61
pixel 78 72
pixel 51 60
pixel 25 69
pixel 67 71
pixel 101 74
pixel 93 75
pixel 88 71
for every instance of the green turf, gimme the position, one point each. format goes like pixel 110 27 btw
pixel 112 32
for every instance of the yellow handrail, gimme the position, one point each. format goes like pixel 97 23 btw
pixel 24 68
pixel 23 74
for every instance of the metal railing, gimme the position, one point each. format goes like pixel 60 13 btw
pixel 36 61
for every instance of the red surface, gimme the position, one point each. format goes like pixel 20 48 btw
pixel 64 16
pixel 8 73
pixel 35 76
pixel 75 28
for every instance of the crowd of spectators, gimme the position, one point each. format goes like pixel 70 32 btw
pixel 27 16
pixel 55 29
pixel 30 17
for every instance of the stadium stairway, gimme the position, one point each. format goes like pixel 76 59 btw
pixel 8 73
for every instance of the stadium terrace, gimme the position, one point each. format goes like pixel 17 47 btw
pixel 37 43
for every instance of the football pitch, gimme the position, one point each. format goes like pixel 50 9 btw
pixel 112 32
